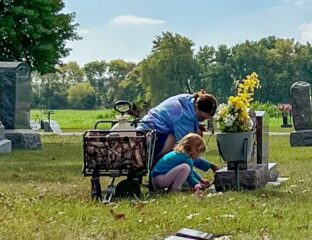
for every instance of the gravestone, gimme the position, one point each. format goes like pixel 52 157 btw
pixel 34 125
pixel 259 171
pixel 300 94
pixel 15 82
pixel 51 126
pixel 5 144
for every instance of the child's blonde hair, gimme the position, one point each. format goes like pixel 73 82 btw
pixel 192 144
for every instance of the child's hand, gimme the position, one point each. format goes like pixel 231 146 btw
pixel 205 183
pixel 198 190
pixel 198 187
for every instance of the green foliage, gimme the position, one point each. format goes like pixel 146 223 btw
pixel 279 63
pixel 269 108
pixel 35 31
pixel 170 68
pixel 106 78
pixel 82 96
pixel 77 120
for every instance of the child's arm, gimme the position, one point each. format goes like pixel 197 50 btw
pixel 203 181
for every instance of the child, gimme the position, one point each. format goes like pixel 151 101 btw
pixel 176 167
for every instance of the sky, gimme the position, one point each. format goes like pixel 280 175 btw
pixel 125 29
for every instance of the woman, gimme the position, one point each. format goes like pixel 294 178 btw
pixel 177 116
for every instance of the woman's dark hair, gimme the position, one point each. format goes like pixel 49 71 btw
pixel 206 102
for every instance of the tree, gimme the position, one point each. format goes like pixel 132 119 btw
pixel 95 73
pixel 71 73
pixel 170 68
pixel 48 91
pixel 116 72
pixel 35 31
pixel 105 77
pixel 82 96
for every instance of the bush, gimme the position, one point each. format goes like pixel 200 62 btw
pixel 269 108
pixel 82 96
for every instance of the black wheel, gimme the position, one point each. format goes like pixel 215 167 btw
pixel 127 188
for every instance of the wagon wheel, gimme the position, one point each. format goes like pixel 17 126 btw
pixel 96 191
pixel 127 188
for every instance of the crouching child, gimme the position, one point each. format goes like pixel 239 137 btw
pixel 176 167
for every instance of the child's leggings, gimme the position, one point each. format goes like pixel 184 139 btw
pixel 172 179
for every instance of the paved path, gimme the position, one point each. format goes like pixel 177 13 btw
pixel 205 133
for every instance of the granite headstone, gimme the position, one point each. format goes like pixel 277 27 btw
pixel 259 172
pixel 300 93
pixel 15 82
pixel 15 95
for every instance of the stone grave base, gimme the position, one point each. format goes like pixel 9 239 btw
pixel 23 138
pixel 286 125
pixel 5 146
pixel 256 176
pixel 301 138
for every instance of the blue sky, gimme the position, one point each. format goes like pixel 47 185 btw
pixel 125 29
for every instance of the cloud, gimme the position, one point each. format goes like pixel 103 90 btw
pixel 306 32
pixel 83 31
pixel 298 2
pixel 134 20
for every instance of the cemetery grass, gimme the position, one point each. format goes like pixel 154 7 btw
pixel 81 120
pixel 44 196
pixel 75 120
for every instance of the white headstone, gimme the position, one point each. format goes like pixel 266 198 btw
pixel 34 125
pixel 5 144
pixel 54 126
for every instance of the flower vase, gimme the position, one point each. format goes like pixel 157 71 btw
pixel 231 146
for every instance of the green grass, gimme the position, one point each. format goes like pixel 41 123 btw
pixel 44 196
pixel 81 120
pixel 75 120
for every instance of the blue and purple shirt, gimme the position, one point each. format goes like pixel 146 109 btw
pixel 176 115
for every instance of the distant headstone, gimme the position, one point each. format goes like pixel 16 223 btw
pixel 52 127
pixel 34 125
pixel 5 144
pixel 300 94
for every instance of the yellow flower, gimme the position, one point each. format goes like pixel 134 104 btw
pixel 233 116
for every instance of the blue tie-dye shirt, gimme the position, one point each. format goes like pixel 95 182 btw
pixel 176 115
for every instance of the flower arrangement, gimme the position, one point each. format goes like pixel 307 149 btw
pixel 233 116
pixel 285 108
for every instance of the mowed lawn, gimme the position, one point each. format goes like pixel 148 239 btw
pixel 43 195
pixel 81 120
pixel 75 120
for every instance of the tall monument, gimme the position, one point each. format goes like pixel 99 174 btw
pixel 15 87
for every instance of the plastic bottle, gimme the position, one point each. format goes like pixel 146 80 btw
pixel 123 125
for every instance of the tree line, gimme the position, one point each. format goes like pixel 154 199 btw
pixel 36 31
pixel 173 67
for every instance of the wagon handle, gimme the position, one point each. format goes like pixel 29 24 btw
pixel 122 106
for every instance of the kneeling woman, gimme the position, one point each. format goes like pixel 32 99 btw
pixel 176 167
